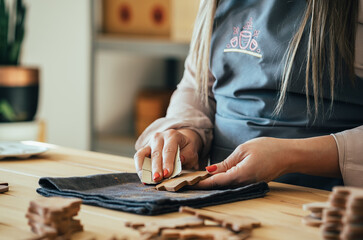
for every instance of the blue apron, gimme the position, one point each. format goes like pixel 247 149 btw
pixel 248 44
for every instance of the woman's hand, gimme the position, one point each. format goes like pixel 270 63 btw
pixel 265 158
pixel 163 147
pixel 260 159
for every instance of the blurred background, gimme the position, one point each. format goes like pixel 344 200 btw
pixel 105 69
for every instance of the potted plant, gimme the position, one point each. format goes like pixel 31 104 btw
pixel 19 85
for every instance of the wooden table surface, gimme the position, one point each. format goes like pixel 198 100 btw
pixel 280 211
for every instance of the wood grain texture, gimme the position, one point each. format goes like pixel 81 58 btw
pixel 280 212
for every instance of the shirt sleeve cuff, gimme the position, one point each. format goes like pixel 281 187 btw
pixel 350 149
pixel 163 124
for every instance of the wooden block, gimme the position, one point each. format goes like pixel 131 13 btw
pixel 37 218
pixel 62 227
pixel 343 219
pixel 52 218
pixel 4 187
pixel 315 206
pixel 318 215
pixel 352 219
pixel 205 232
pixel 44 231
pixel 333 215
pixel 146 175
pixel 337 201
pixel 348 190
pixel 233 222
pixel 146 17
pixel 347 197
pixel 311 221
pixel 152 229
pixel 326 235
pixel 356 229
pixel 351 232
pixel 55 207
pixel 184 179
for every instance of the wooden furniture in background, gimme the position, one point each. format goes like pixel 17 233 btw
pixel 280 212
pixel 170 18
pixel 150 105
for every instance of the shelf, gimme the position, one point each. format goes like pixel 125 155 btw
pixel 146 46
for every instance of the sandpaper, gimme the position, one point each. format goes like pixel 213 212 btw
pixel 125 192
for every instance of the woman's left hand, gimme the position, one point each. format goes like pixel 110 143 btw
pixel 266 158
pixel 260 159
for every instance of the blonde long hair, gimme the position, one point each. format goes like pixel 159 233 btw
pixel 331 42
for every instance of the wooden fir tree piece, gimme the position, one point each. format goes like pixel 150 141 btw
pixel 52 218
pixel 233 222
pixel 184 179
pixel 151 229
pixel 205 232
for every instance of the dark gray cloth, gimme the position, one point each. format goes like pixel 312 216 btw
pixel 125 192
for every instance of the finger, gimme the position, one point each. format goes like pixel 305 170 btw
pixel 231 161
pixel 156 159
pixel 169 153
pixel 172 139
pixel 221 180
pixel 139 159
pixel 189 162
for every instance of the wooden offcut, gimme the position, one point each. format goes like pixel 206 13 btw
pixel 184 179
pixel 233 222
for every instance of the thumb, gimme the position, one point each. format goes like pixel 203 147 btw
pixel 231 161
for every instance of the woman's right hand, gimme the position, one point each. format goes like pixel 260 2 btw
pixel 162 148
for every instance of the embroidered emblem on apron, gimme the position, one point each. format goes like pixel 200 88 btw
pixel 245 40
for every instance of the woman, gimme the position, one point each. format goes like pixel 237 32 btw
pixel 272 90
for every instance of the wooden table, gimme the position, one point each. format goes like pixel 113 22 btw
pixel 280 211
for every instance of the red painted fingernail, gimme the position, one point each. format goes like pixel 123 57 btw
pixel 182 159
pixel 156 176
pixel 166 172
pixel 211 168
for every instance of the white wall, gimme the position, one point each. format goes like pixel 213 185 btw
pixel 58 42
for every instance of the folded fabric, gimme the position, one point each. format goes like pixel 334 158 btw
pixel 125 192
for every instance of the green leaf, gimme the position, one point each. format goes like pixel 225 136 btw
pixel 7 111
pixel 4 27
pixel 10 50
